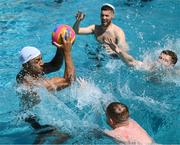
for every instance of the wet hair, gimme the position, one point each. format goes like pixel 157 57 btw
pixel 118 112
pixel 172 54
pixel 107 8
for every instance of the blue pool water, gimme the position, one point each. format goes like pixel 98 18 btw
pixel 149 27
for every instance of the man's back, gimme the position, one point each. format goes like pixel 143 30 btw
pixel 131 133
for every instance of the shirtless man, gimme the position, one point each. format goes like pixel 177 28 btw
pixel 125 129
pixel 31 76
pixel 167 58
pixel 105 30
pixel 33 68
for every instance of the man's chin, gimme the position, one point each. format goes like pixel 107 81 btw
pixel 105 24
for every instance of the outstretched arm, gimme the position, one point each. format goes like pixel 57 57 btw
pixel 86 30
pixel 126 58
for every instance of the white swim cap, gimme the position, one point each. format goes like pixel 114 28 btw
pixel 28 53
pixel 108 5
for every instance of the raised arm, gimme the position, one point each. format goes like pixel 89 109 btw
pixel 86 30
pixel 58 83
pixel 57 61
pixel 126 58
pixel 69 73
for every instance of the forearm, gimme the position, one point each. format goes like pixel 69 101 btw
pixel 126 58
pixel 69 73
pixel 76 26
pixel 56 83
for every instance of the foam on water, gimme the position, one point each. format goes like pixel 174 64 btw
pixel 89 94
pixel 73 108
pixel 149 102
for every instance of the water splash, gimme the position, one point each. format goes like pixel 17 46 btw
pixel 149 102
pixel 73 108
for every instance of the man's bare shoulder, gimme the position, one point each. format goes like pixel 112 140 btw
pixel 20 77
pixel 23 78
pixel 97 27
pixel 117 29
pixel 117 134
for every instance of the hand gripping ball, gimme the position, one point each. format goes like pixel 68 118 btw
pixel 62 30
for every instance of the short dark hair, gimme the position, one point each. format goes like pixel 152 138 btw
pixel 118 112
pixel 107 8
pixel 172 54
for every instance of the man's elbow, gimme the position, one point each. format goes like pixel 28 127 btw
pixel 77 32
pixel 68 81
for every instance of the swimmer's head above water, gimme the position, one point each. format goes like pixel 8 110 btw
pixel 107 14
pixel 31 59
pixel 167 58
pixel 117 113
pixel 108 6
pixel 28 53
pixel 33 67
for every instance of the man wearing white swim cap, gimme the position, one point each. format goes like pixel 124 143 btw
pixel 31 77
pixel 33 68
pixel 105 30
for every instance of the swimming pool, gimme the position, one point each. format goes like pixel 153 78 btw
pixel 149 27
